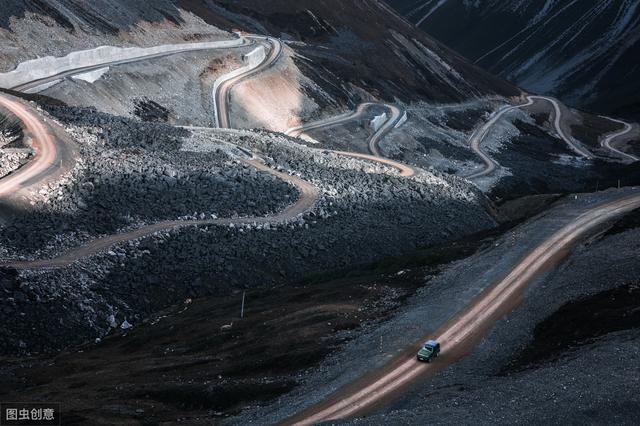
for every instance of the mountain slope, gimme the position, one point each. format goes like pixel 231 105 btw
pixel 344 43
pixel 579 51
pixel 365 42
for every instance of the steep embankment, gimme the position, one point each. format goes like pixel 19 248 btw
pixel 389 56
pixel 578 51
pixel 334 38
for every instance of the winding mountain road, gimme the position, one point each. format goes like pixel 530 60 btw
pixel 308 193
pixel 480 135
pixel 222 86
pixel 337 120
pixel 606 142
pixel 49 152
pixel 308 196
pixel 459 334
pixel 557 123
pixel 36 84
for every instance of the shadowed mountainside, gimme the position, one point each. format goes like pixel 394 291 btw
pixel 578 51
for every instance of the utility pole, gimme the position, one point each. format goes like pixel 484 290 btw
pixel 242 307
pixel 618 183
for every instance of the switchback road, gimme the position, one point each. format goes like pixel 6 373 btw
pixel 308 196
pixel 606 142
pixel 49 154
pixel 480 135
pixel 392 120
pixel 222 86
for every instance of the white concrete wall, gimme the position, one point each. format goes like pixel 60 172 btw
pixel 255 57
pixel 378 121
pixel 50 66
pixel 402 120
pixel 250 65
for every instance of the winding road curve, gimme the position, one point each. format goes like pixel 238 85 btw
pixel 479 136
pixel 222 87
pixel 557 122
pixel 48 153
pixel 46 144
pixel 309 194
pixel 606 142
pixel 36 84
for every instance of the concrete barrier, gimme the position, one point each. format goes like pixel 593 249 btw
pixel 378 121
pixel 49 66
pixel 402 120
pixel 255 57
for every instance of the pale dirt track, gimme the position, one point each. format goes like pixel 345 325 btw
pixel 478 137
pixel 46 159
pixel 490 164
pixel 308 196
pixel 459 334
pixel 403 169
pixel 606 142
pixel 222 95
pixel 33 86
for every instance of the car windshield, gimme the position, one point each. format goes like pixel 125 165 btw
pixel 428 348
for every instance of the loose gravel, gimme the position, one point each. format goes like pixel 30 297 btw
pixel 366 212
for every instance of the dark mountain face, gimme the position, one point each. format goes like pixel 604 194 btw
pixel 362 41
pixel 98 15
pixel 585 52
pixel 342 43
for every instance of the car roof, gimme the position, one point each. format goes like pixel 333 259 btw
pixel 431 343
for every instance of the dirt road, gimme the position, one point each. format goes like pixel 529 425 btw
pixel 308 196
pixel 403 169
pixel 606 142
pixel 479 135
pixel 48 153
pixel 224 86
pixel 458 335
pixel 39 84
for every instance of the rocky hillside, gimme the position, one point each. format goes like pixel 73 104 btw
pixel 342 44
pixel 578 51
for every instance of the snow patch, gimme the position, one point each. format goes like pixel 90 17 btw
pixel 92 76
